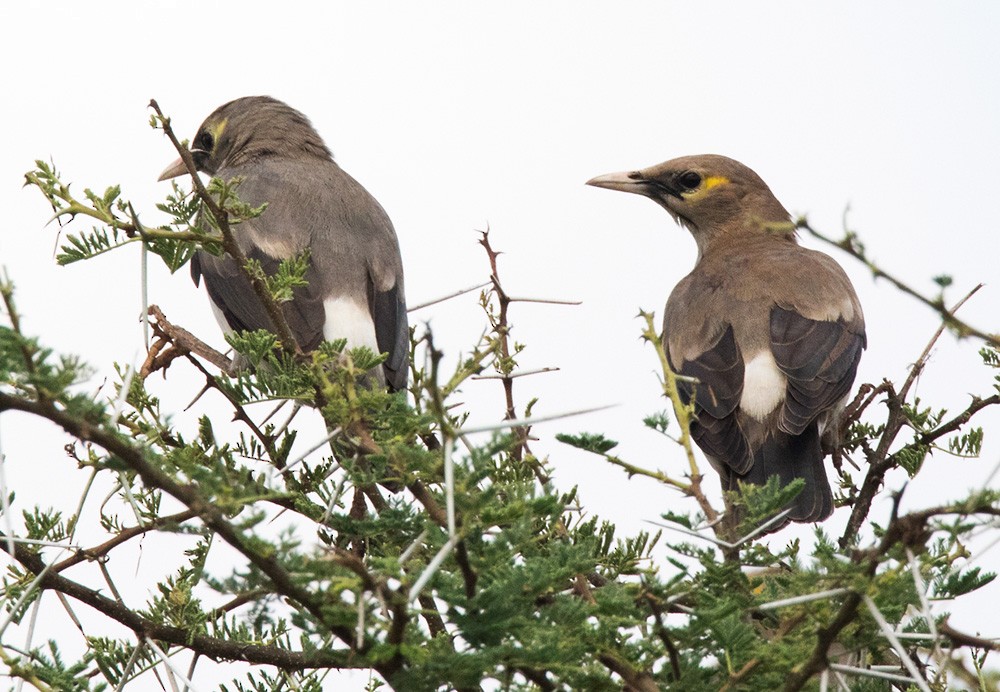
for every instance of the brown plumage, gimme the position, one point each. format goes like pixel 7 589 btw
pixel 772 331
pixel 355 275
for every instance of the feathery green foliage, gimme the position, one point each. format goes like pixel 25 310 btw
pixel 346 559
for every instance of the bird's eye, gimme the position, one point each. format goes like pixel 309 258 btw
pixel 689 180
pixel 204 141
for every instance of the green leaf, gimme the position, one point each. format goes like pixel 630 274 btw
pixel 590 442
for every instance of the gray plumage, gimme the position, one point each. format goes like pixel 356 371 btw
pixel 355 277
pixel 772 331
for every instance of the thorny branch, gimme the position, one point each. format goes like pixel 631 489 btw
pixel 505 365
pixel 910 530
pixel 209 646
pixel 171 342
pixel 850 244
pixel 684 414
pixel 880 460
pixel 136 459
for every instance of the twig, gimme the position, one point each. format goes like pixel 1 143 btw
pixel 963 639
pixel 506 363
pixel 881 462
pixel 683 413
pixel 850 245
pixel 435 301
pixel 184 342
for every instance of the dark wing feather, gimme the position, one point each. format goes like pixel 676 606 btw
pixel 717 393
pixel 315 205
pixel 233 294
pixel 392 331
pixel 820 360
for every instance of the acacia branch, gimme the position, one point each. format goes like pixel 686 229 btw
pixel 684 414
pixel 849 244
pixel 880 462
pixel 962 639
pixel 200 643
pixel 183 342
pixel 188 494
pixel 910 530
pixel 635 680
pixel 123 536
pixel 506 364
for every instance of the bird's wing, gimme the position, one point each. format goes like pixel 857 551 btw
pixel 717 389
pixel 355 278
pixel 236 300
pixel 819 358
pixel 355 247
pixel 392 332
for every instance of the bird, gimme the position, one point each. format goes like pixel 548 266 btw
pixel 766 333
pixel 354 287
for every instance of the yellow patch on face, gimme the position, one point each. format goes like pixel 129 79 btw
pixel 706 185
pixel 218 128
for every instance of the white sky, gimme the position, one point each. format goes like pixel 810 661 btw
pixel 459 115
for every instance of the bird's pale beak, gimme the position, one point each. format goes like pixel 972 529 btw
pixel 173 170
pixel 624 182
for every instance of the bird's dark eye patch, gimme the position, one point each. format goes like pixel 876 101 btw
pixel 204 140
pixel 200 158
pixel 689 180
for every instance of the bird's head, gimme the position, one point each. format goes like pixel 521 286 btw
pixel 708 194
pixel 247 129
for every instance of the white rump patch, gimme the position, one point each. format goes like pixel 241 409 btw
pixel 763 386
pixel 347 319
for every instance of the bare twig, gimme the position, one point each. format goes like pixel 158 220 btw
pixel 442 299
pixel 850 245
pixel 181 342
pixel 880 462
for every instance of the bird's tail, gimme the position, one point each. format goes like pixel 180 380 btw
pixel 790 457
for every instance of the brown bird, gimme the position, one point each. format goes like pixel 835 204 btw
pixel 772 332
pixel 354 285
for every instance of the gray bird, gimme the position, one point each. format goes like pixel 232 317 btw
pixel 355 276
pixel 772 331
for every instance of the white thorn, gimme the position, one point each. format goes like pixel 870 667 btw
pixel 891 636
pixel 449 483
pixel 520 422
pixel 432 567
pixel 795 600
